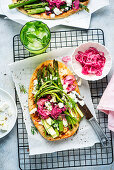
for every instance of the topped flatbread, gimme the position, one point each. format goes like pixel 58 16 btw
pixel 50 9
pixel 52 101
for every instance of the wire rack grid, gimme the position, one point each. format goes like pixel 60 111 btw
pixel 90 156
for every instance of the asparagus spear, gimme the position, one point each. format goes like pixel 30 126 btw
pixel 48 88
pixel 36 11
pixel 51 70
pixel 55 65
pixel 48 75
pixel 33 6
pixel 39 78
pixel 21 3
pixel 44 71
pixel 60 126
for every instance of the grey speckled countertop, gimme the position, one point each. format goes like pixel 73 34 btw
pixel 103 19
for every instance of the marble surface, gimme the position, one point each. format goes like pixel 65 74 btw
pixel 103 19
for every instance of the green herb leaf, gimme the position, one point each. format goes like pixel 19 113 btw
pixel 33 130
pixel 22 88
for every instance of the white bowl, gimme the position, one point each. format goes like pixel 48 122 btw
pixel 77 68
pixel 5 96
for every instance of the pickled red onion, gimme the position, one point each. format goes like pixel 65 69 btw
pixel 70 80
pixel 75 5
pixel 92 61
pixel 45 113
pixel 66 59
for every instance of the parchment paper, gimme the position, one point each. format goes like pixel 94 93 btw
pixel 22 72
pixel 81 19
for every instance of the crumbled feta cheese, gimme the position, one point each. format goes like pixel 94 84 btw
pixel 34 91
pixel 3 107
pixel 62 81
pixel 57 11
pixel 54 78
pixel 65 86
pixel 51 77
pixel 35 85
pixel 3 124
pixel 63 72
pixel 52 15
pixel 68 2
pixel 53 99
pixel 64 98
pixel 33 110
pixel 47 8
pixel 9 112
pixel 66 8
pixel 74 95
pixel 42 81
pixel 4 127
pixel 48 105
pixel 40 123
pixel 65 91
pixel 61 105
pixel 56 126
pixel 35 82
pixel 65 122
pixel 5 113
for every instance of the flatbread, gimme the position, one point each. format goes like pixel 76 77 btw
pixel 44 16
pixel 67 133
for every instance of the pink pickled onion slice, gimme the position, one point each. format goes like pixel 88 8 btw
pixel 69 77
pixel 45 113
pixel 70 88
pixel 59 3
pixel 41 108
pixel 66 59
pixel 55 3
pixel 56 111
pixel 70 81
pixel 92 61
pixel 75 5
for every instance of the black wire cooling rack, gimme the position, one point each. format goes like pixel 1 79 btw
pixel 91 156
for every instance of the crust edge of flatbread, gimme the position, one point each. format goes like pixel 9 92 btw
pixel 48 17
pixel 32 105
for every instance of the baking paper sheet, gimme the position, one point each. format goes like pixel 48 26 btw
pixel 1 13
pixel 22 72
pixel 81 19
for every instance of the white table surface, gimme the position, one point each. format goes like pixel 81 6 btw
pixel 103 19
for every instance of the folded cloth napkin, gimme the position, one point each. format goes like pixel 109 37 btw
pixel 106 104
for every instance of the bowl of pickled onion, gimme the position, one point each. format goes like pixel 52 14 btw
pixel 91 61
